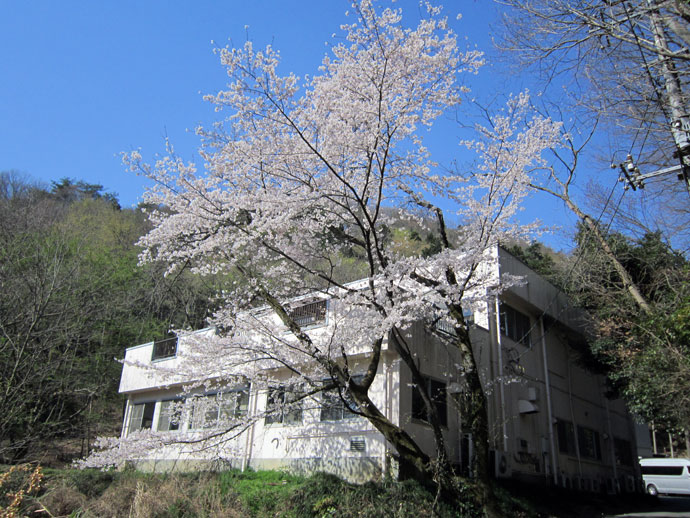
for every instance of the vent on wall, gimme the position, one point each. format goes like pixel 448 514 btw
pixel 357 444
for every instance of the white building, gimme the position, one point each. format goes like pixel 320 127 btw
pixel 550 420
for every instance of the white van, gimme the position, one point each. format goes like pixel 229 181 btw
pixel 668 476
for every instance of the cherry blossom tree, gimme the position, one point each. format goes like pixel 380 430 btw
pixel 302 171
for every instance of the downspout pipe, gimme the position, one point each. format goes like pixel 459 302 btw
pixel 499 379
pixel 549 406
pixel 612 442
pixel 249 440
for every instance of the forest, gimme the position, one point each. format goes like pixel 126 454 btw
pixel 73 299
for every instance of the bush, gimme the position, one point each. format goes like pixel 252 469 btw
pixel 91 482
pixel 324 495
pixel 19 485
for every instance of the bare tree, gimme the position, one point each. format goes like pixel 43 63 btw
pixel 626 60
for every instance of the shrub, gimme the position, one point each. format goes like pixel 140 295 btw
pixel 91 482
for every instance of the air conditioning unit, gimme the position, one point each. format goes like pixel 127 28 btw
pixel 502 467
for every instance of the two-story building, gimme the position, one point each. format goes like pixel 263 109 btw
pixel 550 419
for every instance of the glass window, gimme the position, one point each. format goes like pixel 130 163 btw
pixel 588 441
pixel 674 471
pixel 436 390
pixel 338 405
pixel 515 325
pixel 566 437
pixel 163 349
pixel 283 406
pixel 623 451
pixel 141 417
pixel 310 314
pixel 219 410
pixel 170 415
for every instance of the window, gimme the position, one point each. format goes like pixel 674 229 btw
pixel 447 325
pixel 566 437
pixel 163 349
pixel 310 314
pixel 515 325
pixel 141 417
pixel 588 441
pixel 338 405
pixel 674 471
pixel 283 406
pixel 218 410
pixel 436 390
pixel 170 415
pixel 623 452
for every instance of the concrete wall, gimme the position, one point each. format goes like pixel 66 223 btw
pixel 308 446
pixel 529 389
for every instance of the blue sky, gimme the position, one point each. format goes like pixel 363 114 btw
pixel 84 81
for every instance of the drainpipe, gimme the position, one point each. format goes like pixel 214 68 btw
pixel 385 468
pixel 125 424
pixel 547 383
pixel 501 388
pixel 611 439
pixel 572 412
pixel 249 441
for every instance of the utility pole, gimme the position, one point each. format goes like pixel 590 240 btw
pixel 679 117
pixel 680 120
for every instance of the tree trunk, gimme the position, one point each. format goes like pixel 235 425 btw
pixel 628 283
pixel 475 416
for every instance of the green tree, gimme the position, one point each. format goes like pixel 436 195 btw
pixel 73 299
pixel 647 353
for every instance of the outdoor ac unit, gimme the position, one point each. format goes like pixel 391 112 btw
pixel 502 467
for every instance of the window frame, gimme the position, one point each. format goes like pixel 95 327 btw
pixel 142 418
pixel 515 324
pixel 162 349
pixel 279 396
pixel 211 410
pixel 433 388
pixel 589 443
pixel 565 431
pixel 623 451
pixel 339 402
pixel 668 470
pixel 305 318
pixel 173 418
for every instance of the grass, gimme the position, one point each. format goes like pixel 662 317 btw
pixel 262 494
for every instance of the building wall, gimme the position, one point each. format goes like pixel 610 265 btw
pixel 534 391
pixel 576 395
pixel 350 448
